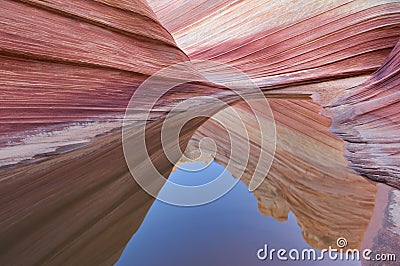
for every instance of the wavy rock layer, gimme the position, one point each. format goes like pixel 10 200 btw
pixel 368 118
pixel 62 61
pixel 278 43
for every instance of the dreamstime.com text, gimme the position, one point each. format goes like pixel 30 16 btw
pixel 309 254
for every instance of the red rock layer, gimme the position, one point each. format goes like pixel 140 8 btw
pixel 61 61
pixel 285 43
pixel 368 118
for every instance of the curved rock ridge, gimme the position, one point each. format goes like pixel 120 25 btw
pixel 278 44
pixel 367 118
pixel 306 177
pixel 75 65
pixel 63 61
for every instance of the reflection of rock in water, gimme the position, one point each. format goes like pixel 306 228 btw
pixel 272 203
pixel 309 175
pixel 76 208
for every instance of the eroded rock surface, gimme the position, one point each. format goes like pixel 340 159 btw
pixel 367 117
pixel 62 62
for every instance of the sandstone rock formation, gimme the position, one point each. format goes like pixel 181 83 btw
pixel 278 44
pixel 62 61
pixel 72 61
pixel 367 117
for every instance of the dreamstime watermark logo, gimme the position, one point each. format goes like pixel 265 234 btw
pixel 309 254
pixel 341 242
pixel 141 140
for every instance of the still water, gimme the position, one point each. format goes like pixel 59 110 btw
pixel 228 231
